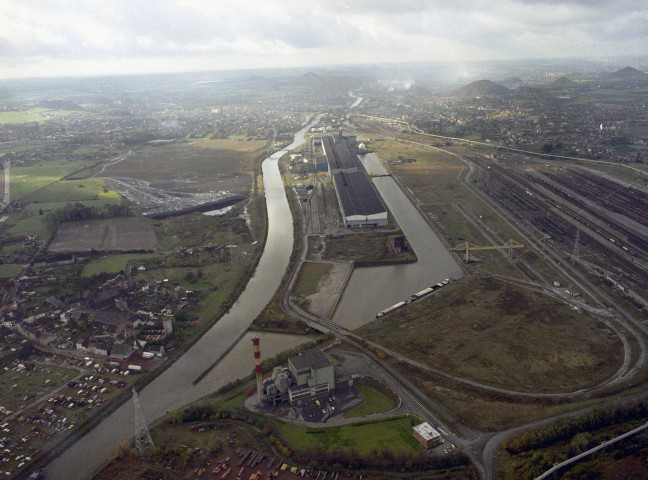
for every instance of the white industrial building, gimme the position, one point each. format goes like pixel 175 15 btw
pixel 427 435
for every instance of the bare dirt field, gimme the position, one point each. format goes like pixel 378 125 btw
pixel 113 234
pixel 180 176
pixel 327 286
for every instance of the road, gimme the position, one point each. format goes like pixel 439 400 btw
pixel 7 182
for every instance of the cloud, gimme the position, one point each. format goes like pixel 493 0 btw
pixel 292 32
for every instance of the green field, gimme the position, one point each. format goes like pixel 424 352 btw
pixel 20 148
pixel 114 263
pixel 26 180
pixel 10 271
pixel 374 402
pixel 31 225
pixel 395 433
pixel 610 95
pixel 46 207
pixel 28 116
pixel 309 276
pixel 75 191
pixel 85 150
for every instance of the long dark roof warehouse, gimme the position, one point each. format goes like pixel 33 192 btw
pixel 359 202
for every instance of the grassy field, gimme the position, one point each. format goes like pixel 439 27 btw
pixel 19 148
pixel 31 225
pixel 468 406
pixel 75 191
pixel 374 402
pixel 113 264
pixel 10 271
pixel 85 150
pixel 26 180
pixel 395 432
pixel 197 161
pixel 610 95
pixel 47 207
pixel 21 117
pixel 32 115
pixel 480 328
pixel 198 229
pixel 309 276
pixel 434 180
pixel 226 277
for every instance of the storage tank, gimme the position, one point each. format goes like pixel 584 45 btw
pixel 282 382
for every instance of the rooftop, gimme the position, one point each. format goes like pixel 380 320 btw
pixel 357 194
pixel 426 431
pixel 313 358
pixel 338 154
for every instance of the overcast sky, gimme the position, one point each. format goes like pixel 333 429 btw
pixel 95 37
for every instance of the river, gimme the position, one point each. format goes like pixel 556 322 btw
pixel 370 290
pixel 174 387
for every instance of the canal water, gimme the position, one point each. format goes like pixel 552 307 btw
pixel 373 289
pixel 174 388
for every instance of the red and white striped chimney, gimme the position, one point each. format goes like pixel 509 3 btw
pixel 257 366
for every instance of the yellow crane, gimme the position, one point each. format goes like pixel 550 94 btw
pixel 468 247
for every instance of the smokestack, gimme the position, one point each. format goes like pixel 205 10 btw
pixel 257 367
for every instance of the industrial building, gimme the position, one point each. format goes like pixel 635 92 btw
pixel 359 201
pixel 339 158
pixel 427 435
pixel 309 375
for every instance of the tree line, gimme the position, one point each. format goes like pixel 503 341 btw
pixel 79 212
pixel 597 419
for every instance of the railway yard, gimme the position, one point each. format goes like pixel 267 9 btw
pixel 598 222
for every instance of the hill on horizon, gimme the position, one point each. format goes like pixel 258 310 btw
pixel 628 73
pixel 481 88
pixel 563 82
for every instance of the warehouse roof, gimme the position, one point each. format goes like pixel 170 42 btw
pixel 338 154
pixel 357 194
pixel 313 358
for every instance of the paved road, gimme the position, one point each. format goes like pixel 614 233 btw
pixel 7 182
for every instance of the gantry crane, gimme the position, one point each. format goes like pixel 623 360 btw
pixel 468 247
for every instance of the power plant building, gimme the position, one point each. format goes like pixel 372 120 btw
pixel 309 375
pixel 314 375
pixel 359 201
